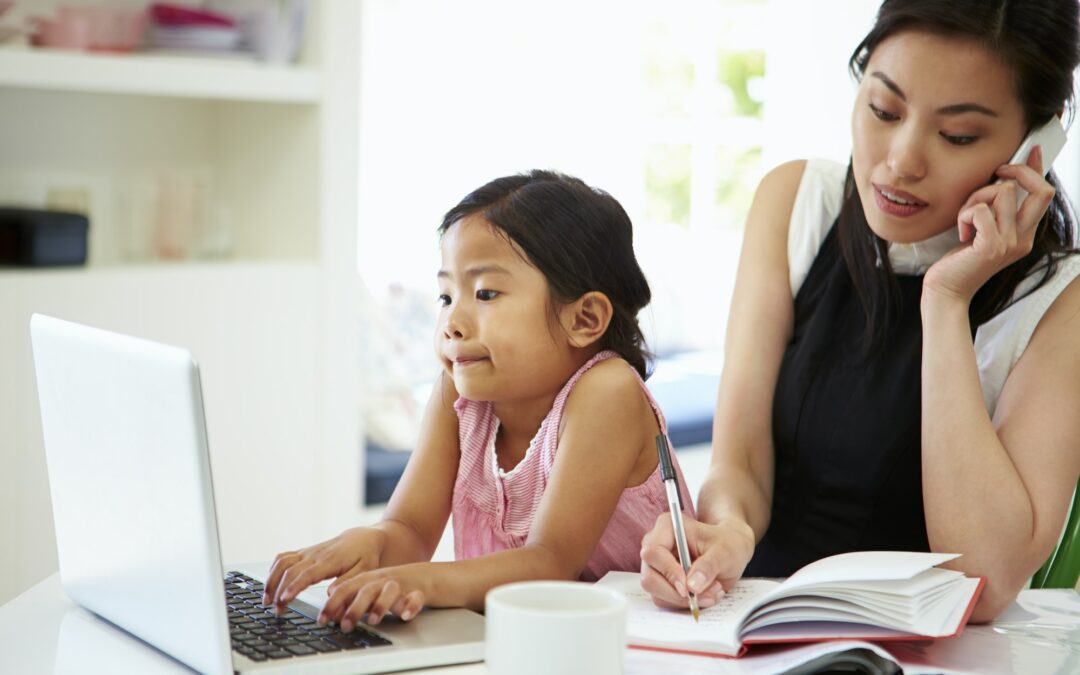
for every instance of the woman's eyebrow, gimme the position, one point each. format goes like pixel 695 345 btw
pixel 952 109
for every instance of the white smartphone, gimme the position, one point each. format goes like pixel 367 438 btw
pixel 1051 137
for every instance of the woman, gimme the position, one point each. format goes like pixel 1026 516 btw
pixel 902 367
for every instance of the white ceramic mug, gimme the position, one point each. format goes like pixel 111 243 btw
pixel 555 627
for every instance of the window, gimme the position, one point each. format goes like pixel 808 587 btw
pixel 675 108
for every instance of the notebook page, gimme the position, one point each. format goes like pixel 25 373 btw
pixel 717 629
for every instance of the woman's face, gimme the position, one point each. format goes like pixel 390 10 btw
pixel 934 118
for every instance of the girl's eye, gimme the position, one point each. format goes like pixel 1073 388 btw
pixel 882 115
pixel 444 300
pixel 959 140
pixel 485 294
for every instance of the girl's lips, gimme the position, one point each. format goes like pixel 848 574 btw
pixel 893 208
pixel 468 361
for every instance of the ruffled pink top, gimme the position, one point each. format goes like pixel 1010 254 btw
pixel 493 509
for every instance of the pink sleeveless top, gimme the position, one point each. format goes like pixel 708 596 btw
pixel 493 509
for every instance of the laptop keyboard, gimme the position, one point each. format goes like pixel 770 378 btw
pixel 259 634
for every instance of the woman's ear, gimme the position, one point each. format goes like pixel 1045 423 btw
pixel 586 319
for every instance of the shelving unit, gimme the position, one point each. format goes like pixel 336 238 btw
pixel 226 79
pixel 272 323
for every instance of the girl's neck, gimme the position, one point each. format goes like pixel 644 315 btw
pixel 520 419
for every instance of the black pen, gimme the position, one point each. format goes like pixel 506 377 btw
pixel 671 482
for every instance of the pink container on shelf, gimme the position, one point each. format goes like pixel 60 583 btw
pixel 98 28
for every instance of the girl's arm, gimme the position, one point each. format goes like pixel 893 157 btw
pixel 608 424
pixel 413 522
pixel 997 490
pixel 735 501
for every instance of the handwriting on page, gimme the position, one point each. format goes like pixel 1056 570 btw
pixel 719 622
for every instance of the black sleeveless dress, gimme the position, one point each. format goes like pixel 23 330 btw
pixel 846 428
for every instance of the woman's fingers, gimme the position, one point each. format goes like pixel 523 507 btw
pixel 663 592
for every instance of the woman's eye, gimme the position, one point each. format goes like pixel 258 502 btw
pixel 484 294
pixel 882 115
pixel 444 300
pixel 959 140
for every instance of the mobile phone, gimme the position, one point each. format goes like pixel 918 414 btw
pixel 1051 137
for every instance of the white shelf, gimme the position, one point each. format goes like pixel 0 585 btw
pixel 151 75
pixel 226 269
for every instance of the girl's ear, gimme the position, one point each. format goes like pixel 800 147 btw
pixel 586 319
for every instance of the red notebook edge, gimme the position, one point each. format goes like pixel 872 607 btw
pixel 895 638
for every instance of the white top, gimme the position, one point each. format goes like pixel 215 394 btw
pixel 999 342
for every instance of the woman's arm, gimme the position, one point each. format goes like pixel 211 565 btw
pixel 608 424
pixel 736 498
pixel 997 490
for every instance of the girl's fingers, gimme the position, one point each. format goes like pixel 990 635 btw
pixel 414 602
pixel 335 605
pixel 281 562
pixel 288 580
pixel 360 606
pixel 361 566
pixel 382 603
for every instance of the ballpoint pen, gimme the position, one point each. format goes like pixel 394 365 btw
pixel 671 482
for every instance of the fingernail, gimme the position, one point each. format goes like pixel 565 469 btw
pixel 287 597
pixel 373 619
pixel 266 599
pixel 406 615
pixel 321 620
pixel 697 582
pixel 346 625
pixel 680 588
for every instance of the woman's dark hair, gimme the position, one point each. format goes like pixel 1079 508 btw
pixel 1038 40
pixel 580 239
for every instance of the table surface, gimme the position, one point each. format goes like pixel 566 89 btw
pixel 1040 633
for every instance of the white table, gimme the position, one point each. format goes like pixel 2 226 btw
pixel 42 631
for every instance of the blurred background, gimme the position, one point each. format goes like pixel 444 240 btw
pixel 262 180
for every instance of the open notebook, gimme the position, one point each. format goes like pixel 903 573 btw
pixel 871 595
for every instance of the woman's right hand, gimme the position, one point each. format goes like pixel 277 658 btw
pixel 350 553
pixel 720 553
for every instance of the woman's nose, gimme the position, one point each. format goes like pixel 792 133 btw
pixel 906 159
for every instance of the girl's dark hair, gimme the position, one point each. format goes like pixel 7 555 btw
pixel 580 239
pixel 1038 40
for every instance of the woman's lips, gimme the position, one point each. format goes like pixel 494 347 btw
pixel 893 206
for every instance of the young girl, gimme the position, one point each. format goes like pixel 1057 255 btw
pixel 540 436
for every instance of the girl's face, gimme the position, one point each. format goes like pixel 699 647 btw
pixel 934 118
pixel 495 334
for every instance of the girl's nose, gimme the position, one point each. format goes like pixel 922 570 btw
pixel 453 328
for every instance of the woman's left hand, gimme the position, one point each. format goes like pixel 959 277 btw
pixel 996 234
pixel 402 590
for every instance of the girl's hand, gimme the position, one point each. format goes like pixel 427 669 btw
pixel 402 590
pixel 350 553
pixel 997 235
pixel 720 553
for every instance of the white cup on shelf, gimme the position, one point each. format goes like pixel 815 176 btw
pixel 543 627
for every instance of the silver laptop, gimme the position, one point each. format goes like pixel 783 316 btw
pixel 136 531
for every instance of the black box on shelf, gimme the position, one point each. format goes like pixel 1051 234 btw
pixel 36 238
